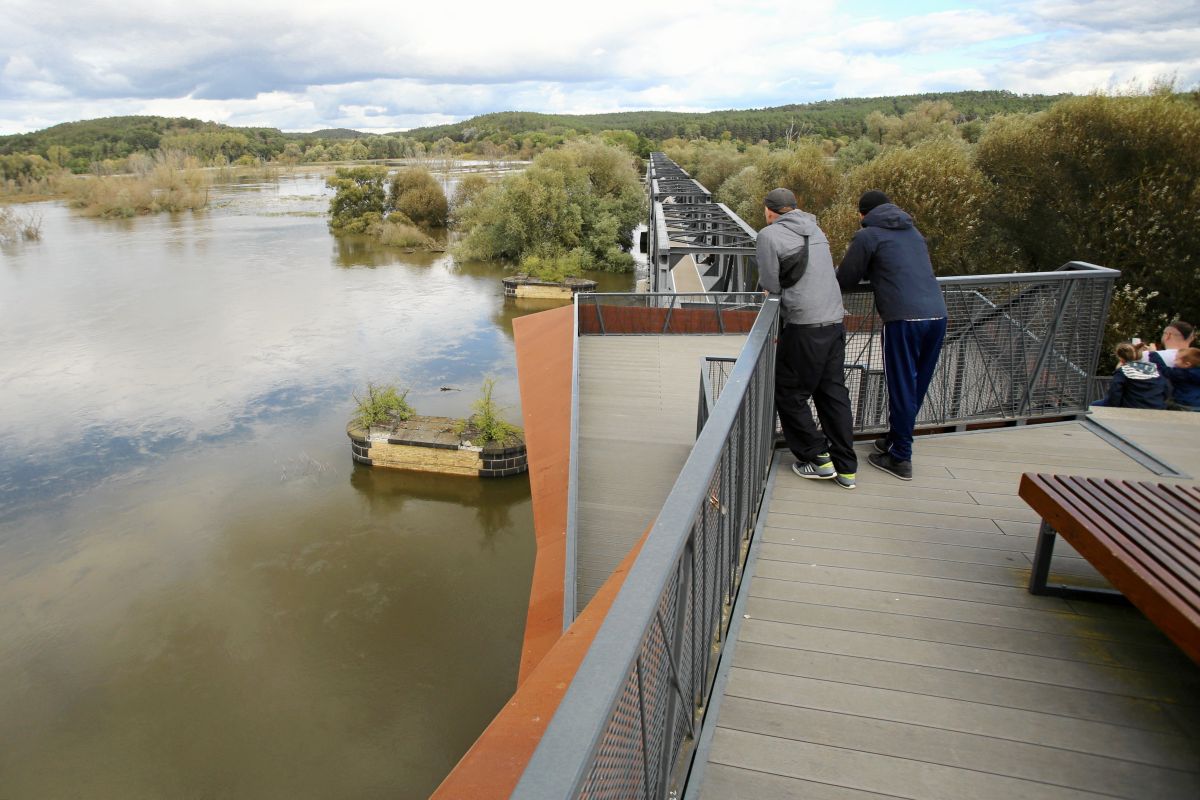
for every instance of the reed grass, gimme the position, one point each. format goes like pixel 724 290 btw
pixel 169 181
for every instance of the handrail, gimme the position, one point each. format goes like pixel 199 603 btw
pixel 563 760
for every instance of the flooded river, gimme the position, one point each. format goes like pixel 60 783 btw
pixel 200 595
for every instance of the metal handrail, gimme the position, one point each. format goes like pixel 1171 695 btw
pixel 564 758
pixel 751 300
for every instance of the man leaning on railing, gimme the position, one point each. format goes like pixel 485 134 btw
pixel 891 253
pixel 794 263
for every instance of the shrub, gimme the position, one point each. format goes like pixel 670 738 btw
pixel 15 226
pixel 553 268
pixel 465 193
pixel 358 202
pixel 1110 180
pixel 803 168
pixel 486 425
pixel 937 183
pixel 168 181
pixel 415 193
pixel 395 232
pixel 584 196
pixel 382 405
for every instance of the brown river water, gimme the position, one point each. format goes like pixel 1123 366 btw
pixel 201 596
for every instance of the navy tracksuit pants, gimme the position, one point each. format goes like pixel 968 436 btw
pixel 910 355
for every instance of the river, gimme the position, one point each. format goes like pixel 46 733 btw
pixel 201 596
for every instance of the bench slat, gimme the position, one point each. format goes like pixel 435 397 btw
pixel 1110 540
pixel 1149 569
pixel 1166 544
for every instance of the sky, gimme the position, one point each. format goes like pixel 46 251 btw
pixel 389 66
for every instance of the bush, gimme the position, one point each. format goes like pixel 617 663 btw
pixel 358 203
pixel 937 183
pixel 382 405
pixel 555 269
pixel 803 168
pixel 15 226
pixel 1111 180
pixel 465 193
pixel 415 193
pixel 170 181
pixel 395 232
pixel 486 425
pixel 585 196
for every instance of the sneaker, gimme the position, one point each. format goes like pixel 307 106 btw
pixel 844 480
pixel 813 471
pixel 881 445
pixel 892 466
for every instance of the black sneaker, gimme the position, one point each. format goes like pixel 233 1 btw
pixel 892 466
pixel 881 445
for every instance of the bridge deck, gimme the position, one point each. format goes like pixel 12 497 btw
pixel 887 646
pixel 637 425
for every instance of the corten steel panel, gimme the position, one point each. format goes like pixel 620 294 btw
pixel 544 345
pixel 492 767
pixel 632 319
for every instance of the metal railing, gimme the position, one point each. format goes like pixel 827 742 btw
pixel 656 314
pixel 627 722
pixel 1017 346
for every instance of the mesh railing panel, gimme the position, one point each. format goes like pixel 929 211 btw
pixel 1013 349
pixel 652 724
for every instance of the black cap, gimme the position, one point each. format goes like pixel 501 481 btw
pixel 870 200
pixel 778 199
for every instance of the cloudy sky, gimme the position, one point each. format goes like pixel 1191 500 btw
pixel 387 66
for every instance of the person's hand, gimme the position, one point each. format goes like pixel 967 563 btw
pixel 1150 346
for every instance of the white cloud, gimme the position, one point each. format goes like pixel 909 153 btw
pixel 383 66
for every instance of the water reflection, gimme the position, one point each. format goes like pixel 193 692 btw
pixel 200 594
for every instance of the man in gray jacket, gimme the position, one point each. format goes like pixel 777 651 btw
pixel 795 264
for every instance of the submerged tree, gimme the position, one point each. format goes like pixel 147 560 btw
pixel 581 200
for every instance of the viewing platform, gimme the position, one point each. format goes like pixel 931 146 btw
pixel 705 624
pixel 884 643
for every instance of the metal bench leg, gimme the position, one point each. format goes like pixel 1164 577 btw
pixel 1041 559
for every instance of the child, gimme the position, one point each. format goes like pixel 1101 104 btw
pixel 1135 384
pixel 1184 377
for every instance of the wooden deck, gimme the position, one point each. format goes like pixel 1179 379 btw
pixel 637 425
pixel 887 647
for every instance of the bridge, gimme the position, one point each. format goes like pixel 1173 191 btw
pixel 712 626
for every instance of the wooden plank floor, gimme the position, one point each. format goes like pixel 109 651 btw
pixel 637 425
pixel 888 647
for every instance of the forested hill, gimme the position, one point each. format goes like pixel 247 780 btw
pixel 117 137
pixel 828 118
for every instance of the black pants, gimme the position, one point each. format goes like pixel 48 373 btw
pixel 810 362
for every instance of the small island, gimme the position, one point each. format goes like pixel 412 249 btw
pixel 388 433
pixel 529 286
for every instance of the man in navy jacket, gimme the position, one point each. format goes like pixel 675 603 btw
pixel 891 254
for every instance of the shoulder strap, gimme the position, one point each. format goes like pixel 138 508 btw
pixel 792 268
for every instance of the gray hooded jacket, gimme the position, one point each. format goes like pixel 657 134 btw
pixel 816 297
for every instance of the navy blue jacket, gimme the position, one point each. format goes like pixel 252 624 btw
pixel 1185 381
pixel 891 253
pixel 1137 384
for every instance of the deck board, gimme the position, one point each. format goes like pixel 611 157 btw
pixel 637 424
pixel 888 646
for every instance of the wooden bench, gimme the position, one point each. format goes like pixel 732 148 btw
pixel 1143 537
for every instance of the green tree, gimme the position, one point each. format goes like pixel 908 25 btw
pixel 937 183
pixel 358 202
pixel 1110 180
pixel 582 199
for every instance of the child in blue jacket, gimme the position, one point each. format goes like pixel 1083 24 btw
pixel 1135 384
